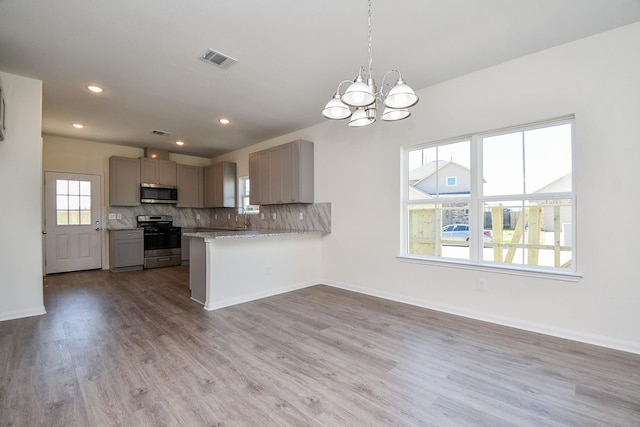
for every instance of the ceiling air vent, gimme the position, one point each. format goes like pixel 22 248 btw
pixel 218 59
pixel 160 132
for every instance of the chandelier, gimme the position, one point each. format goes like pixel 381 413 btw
pixel 359 100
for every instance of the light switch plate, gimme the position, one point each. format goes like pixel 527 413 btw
pixel 112 216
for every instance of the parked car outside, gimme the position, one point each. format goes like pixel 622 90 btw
pixel 460 232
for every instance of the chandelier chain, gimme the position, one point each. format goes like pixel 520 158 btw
pixel 359 101
pixel 370 44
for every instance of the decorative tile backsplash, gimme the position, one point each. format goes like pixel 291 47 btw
pixel 305 217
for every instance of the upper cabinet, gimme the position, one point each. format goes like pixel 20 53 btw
pixel 282 174
pixel 220 185
pixel 124 181
pixel 259 177
pixel 158 171
pixel 190 180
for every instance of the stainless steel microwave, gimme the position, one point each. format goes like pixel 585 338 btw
pixel 154 193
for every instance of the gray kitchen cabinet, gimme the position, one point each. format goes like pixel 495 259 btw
pixel 282 174
pixel 124 181
pixel 279 174
pixel 158 171
pixel 259 177
pixel 220 185
pixel 255 195
pixel 302 172
pixel 126 249
pixel 190 181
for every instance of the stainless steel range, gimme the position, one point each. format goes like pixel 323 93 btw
pixel 162 241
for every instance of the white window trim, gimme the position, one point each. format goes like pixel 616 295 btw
pixel 475 262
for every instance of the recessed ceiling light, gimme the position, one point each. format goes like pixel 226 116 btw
pixel 179 142
pixel 95 89
pixel 78 125
pixel 224 121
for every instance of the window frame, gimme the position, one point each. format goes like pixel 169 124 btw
pixel 244 193
pixel 476 203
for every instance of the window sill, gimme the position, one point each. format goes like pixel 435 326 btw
pixel 450 263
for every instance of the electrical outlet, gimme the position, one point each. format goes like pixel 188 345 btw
pixel 197 216
pixel 273 215
pixel 301 216
pixel 261 216
pixel 215 216
pixel 112 216
pixel 119 216
pixel 481 285
pixel 228 216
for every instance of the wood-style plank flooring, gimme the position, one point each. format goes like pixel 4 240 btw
pixel 131 349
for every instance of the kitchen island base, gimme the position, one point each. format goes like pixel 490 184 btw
pixel 229 271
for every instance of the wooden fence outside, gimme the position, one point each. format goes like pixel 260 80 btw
pixel 425 225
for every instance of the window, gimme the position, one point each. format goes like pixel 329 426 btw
pixel 243 195
pixel 73 202
pixel 503 199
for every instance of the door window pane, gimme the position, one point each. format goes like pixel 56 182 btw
pixel 73 202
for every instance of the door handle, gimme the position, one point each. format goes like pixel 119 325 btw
pixel 44 232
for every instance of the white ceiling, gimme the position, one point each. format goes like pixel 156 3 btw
pixel 291 56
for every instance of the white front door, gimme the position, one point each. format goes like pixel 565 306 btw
pixel 73 233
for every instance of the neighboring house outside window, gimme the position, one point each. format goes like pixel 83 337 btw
pixel 512 204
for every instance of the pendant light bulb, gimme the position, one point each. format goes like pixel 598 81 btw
pixel 401 96
pixel 336 109
pixel 358 94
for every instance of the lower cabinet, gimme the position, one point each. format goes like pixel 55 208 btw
pixel 126 249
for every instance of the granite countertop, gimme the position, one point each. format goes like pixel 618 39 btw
pixel 236 234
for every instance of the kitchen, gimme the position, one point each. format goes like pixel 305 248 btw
pixel 191 215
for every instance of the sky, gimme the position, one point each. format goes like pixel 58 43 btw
pixel 539 156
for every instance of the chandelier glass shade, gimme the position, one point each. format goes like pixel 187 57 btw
pixel 361 96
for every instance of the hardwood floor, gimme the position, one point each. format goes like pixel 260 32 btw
pixel 131 349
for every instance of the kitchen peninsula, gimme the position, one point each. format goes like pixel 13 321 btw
pixel 230 267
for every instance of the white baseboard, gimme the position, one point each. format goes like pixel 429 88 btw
pixel 10 315
pixel 602 341
pixel 209 306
